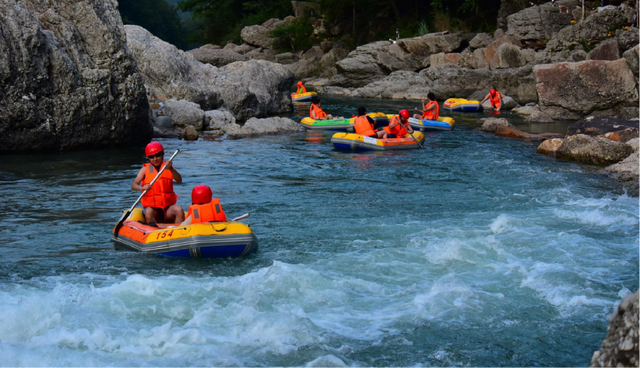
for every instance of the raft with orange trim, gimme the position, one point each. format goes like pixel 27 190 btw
pixel 202 240
pixel 343 125
pixel 461 105
pixel 357 143
pixel 442 123
pixel 303 97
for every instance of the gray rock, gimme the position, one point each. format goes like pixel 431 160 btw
pixel 584 87
pixel 526 110
pixel 210 54
pixel 631 56
pixel 163 121
pixel 481 40
pixel 549 147
pixel 592 30
pixel 633 143
pixel 491 124
pixel 538 116
pixel 508 56
pixel 627 38
pixel 537 24
pixel 442 58
pixel 606 50
pixel 600 125
pixel 67 79
pixel 189 133
pixel 184 113
pixel 249 88
pixel 587 149
pixel 267 126
pixel 578 55
pixel 257 35
pixel 222 120
pixel 620 346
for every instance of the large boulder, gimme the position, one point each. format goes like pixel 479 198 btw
pixel 267 126
pixel 591 150
pixel 257 35
pixel 620 346
pixel 184 113
pixel 248 89
pixel 631 56
pixel 606 50
pixel 536 25
pixel 490 125
pixel 67 79
pixel 592 30
pixel 209 54
pixel 374 61
pixel 600 125
pixel 447 81
pixel 572 90
pixel 626 171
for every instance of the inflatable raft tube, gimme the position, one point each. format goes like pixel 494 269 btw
pixel 357 143
pixel 203 240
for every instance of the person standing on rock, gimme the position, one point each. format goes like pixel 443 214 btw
pixel 160 200
pixel 301 88
pixel 316 112
pixel 365 126
pixel 495 98
pixel 431 110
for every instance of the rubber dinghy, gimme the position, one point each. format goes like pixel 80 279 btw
pixel 462 105
pixel 202 240
pixel 343 125
pixel 303 97
pixel 357 143
pixel 443 123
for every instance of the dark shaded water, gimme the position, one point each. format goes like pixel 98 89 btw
pixel 474 251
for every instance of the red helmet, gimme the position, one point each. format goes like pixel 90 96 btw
pixel 153 148
pixel 201 194
pixel 300 83
pixel 493 92
pixel 404 113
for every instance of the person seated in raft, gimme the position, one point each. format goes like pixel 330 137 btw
pixel 399 126
pixel 316 112
pixel 495 98
pixel 301 88
pixel 160 200
pixel 365 126
pixel 430 111
pixel 203 208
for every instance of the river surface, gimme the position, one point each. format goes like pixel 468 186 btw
pixel 474 251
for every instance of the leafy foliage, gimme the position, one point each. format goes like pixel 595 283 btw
pixel 294 35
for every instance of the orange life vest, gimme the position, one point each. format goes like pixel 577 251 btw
pixel 318 112
pixel 495 100
pixel 431 114
pixel 161 194
pixel 208 212
pixel 301 89
pixel 397 129
pixel 363 126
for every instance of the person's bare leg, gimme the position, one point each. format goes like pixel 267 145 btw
pixel 174 214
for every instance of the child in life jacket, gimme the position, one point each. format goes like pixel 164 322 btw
pixel 495 98
pixel 203 208
pixel 430 111
pixel 316 112
pixel 159 201
pixel 301 88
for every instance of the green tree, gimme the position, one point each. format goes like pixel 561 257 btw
pixel 156 16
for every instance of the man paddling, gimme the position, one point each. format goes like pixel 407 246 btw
pixel 160 200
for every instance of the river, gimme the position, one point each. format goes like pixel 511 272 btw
pixel 474 251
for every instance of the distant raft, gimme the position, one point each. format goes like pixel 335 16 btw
pixel 343 125
pixel 303 97
pixel 443 123
pixel 357 143
pixel 461 105
pixel 202 240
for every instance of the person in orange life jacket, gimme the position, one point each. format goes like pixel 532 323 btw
pixel 301 88
pixel 364 125
pixel 399 125
pixel 160 200
pixel 431 110
pixel 316 112
pixel 203 208
pixel 495 98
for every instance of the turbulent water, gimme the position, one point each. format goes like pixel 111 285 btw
pixel 474 251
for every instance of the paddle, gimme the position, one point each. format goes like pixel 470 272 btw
pixel 128 212
pixel 411 134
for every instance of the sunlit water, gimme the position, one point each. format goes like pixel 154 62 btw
pixel 474 251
